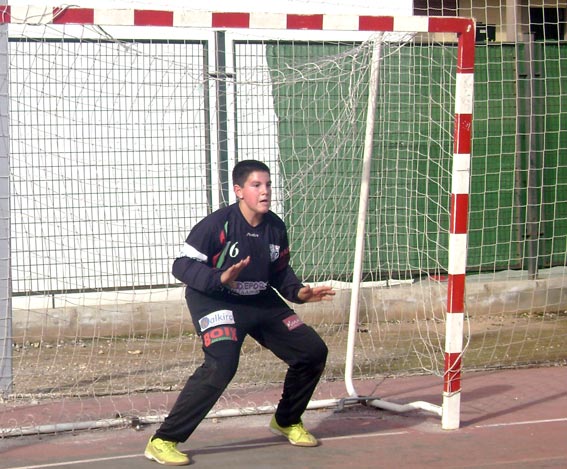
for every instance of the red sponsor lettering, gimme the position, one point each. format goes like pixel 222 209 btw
pixel 219 333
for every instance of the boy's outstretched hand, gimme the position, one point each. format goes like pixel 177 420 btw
pixel 230 275
pixel 312 295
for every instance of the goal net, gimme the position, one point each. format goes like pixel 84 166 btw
pixel 122 139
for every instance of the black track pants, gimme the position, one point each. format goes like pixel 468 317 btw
pixel 223 325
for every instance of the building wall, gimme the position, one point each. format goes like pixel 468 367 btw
pixel 510 17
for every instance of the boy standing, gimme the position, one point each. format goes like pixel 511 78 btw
pixel 235 262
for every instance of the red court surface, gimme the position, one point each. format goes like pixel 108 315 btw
pixel 509 419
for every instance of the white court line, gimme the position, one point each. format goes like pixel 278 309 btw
pixel 140 455
pixel 526 422
pixel 367 435
pixel 79 461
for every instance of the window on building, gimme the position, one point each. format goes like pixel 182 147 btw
pixel 435 7
pixel 547 24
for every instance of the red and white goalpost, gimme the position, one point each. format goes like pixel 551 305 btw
pixel 464 29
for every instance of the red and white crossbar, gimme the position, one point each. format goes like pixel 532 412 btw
pixel 465 30
pixel 215 19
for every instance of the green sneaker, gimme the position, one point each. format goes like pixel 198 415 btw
pixel 165 452
pixel 296 434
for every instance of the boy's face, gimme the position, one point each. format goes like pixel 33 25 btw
pixel 256 194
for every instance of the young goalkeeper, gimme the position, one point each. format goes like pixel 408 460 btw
pixel 234 263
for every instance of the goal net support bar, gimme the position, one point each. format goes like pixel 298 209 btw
pixel 464 28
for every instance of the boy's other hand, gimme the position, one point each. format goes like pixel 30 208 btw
pixel 312 295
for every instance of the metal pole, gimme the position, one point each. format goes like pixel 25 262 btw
pixel 222 117
pixel 207 131
pixel 533 210
pixel 521 75
pixel 6 377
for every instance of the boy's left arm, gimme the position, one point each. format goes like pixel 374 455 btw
pixel 290 287
pixel 285 281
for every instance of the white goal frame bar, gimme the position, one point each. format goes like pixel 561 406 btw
pixel 464 28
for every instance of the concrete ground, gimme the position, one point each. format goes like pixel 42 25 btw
pixel 509 419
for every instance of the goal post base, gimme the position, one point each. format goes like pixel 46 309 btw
pixel 450 417
pixel 390 406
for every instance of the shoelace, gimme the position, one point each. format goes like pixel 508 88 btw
pixel 301 429
pixel 168 445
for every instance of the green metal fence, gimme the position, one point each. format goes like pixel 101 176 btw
pixel 518 209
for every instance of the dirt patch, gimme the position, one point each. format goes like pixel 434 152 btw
pixel 116 365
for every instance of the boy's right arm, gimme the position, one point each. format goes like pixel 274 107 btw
pixel 195 263
pixel 197 275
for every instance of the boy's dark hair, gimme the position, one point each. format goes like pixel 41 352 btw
pixel 243 168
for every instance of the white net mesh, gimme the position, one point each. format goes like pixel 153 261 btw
pixel 114 154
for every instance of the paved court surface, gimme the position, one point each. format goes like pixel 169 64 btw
pixel 510 419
